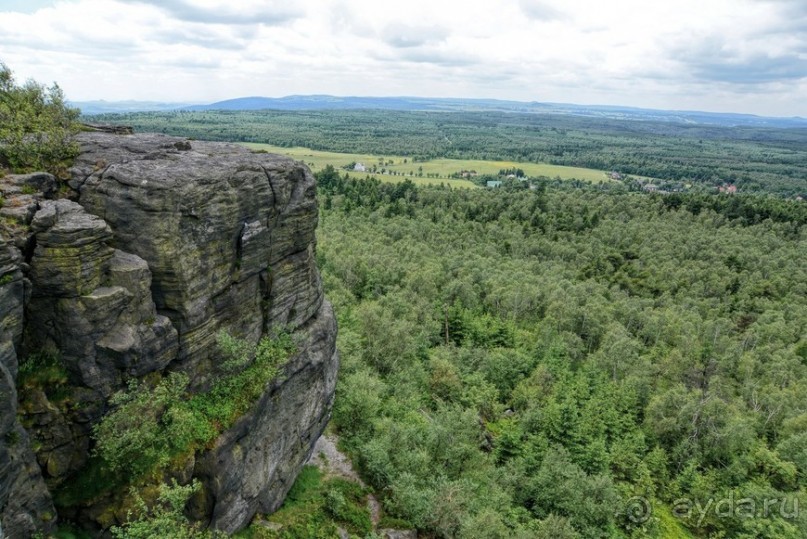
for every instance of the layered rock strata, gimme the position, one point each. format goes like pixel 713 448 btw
pixel 166 243
pixel 25 503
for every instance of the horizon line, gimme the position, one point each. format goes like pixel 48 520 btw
pixel 181 104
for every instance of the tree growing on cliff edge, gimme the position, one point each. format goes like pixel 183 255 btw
pixel 36 126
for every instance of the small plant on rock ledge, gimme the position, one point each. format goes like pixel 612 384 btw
pixel 153 425
pixel 166 518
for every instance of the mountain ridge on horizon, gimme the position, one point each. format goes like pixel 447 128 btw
pixel 443 104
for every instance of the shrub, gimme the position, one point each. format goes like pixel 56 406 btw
pixel 346 502
pixel 166 518
pixel 42 368
pixel 150 426
pixel 132 437
pixel 36 126
pixel 315 506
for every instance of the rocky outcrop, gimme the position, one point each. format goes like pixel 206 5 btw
pixel 228 234
pixel 166 244
pixel 91 305
pixel 253 465
pixel 25 503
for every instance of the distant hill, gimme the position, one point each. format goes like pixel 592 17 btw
pixel 326 102
pixel 105 107
pixel 329 102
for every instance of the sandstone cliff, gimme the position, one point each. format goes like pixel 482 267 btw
pixel 165 244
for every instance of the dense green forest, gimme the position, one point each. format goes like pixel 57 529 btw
pixel 547 359
pixel 567 362
pixel 552 359
pixel 753 158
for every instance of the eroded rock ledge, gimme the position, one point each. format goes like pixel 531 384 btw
pixel 167 243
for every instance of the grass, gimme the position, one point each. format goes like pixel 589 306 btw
pixel 448 166
pixel 669 526
pixel 443 168
pixel 313 509
pixel 42 368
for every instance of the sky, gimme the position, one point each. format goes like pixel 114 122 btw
pixel 747 56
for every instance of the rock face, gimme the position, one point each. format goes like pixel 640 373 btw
pixel 25 503
pixel 254 464
pixel 90 304
pixel 228 234
pixel 168 243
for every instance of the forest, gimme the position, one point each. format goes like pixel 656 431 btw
pixel 546 359
pixel 550 321
pixel 570 362
pixel 755 159
pixel 559 359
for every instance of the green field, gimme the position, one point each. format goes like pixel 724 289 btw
pixel 678 157
pixel 442 168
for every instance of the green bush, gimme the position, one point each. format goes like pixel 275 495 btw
pixel 316 507
pixel 166 518
pixel 346 502
pixel 133 437
pixel 150 426
pixel 43 369
pixel 36 126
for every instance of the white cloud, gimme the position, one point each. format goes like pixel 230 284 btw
pixel 743 55
pixel 217 12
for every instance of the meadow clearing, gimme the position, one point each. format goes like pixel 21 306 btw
pixel 434 171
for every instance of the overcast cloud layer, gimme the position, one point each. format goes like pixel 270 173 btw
pixel 716 55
